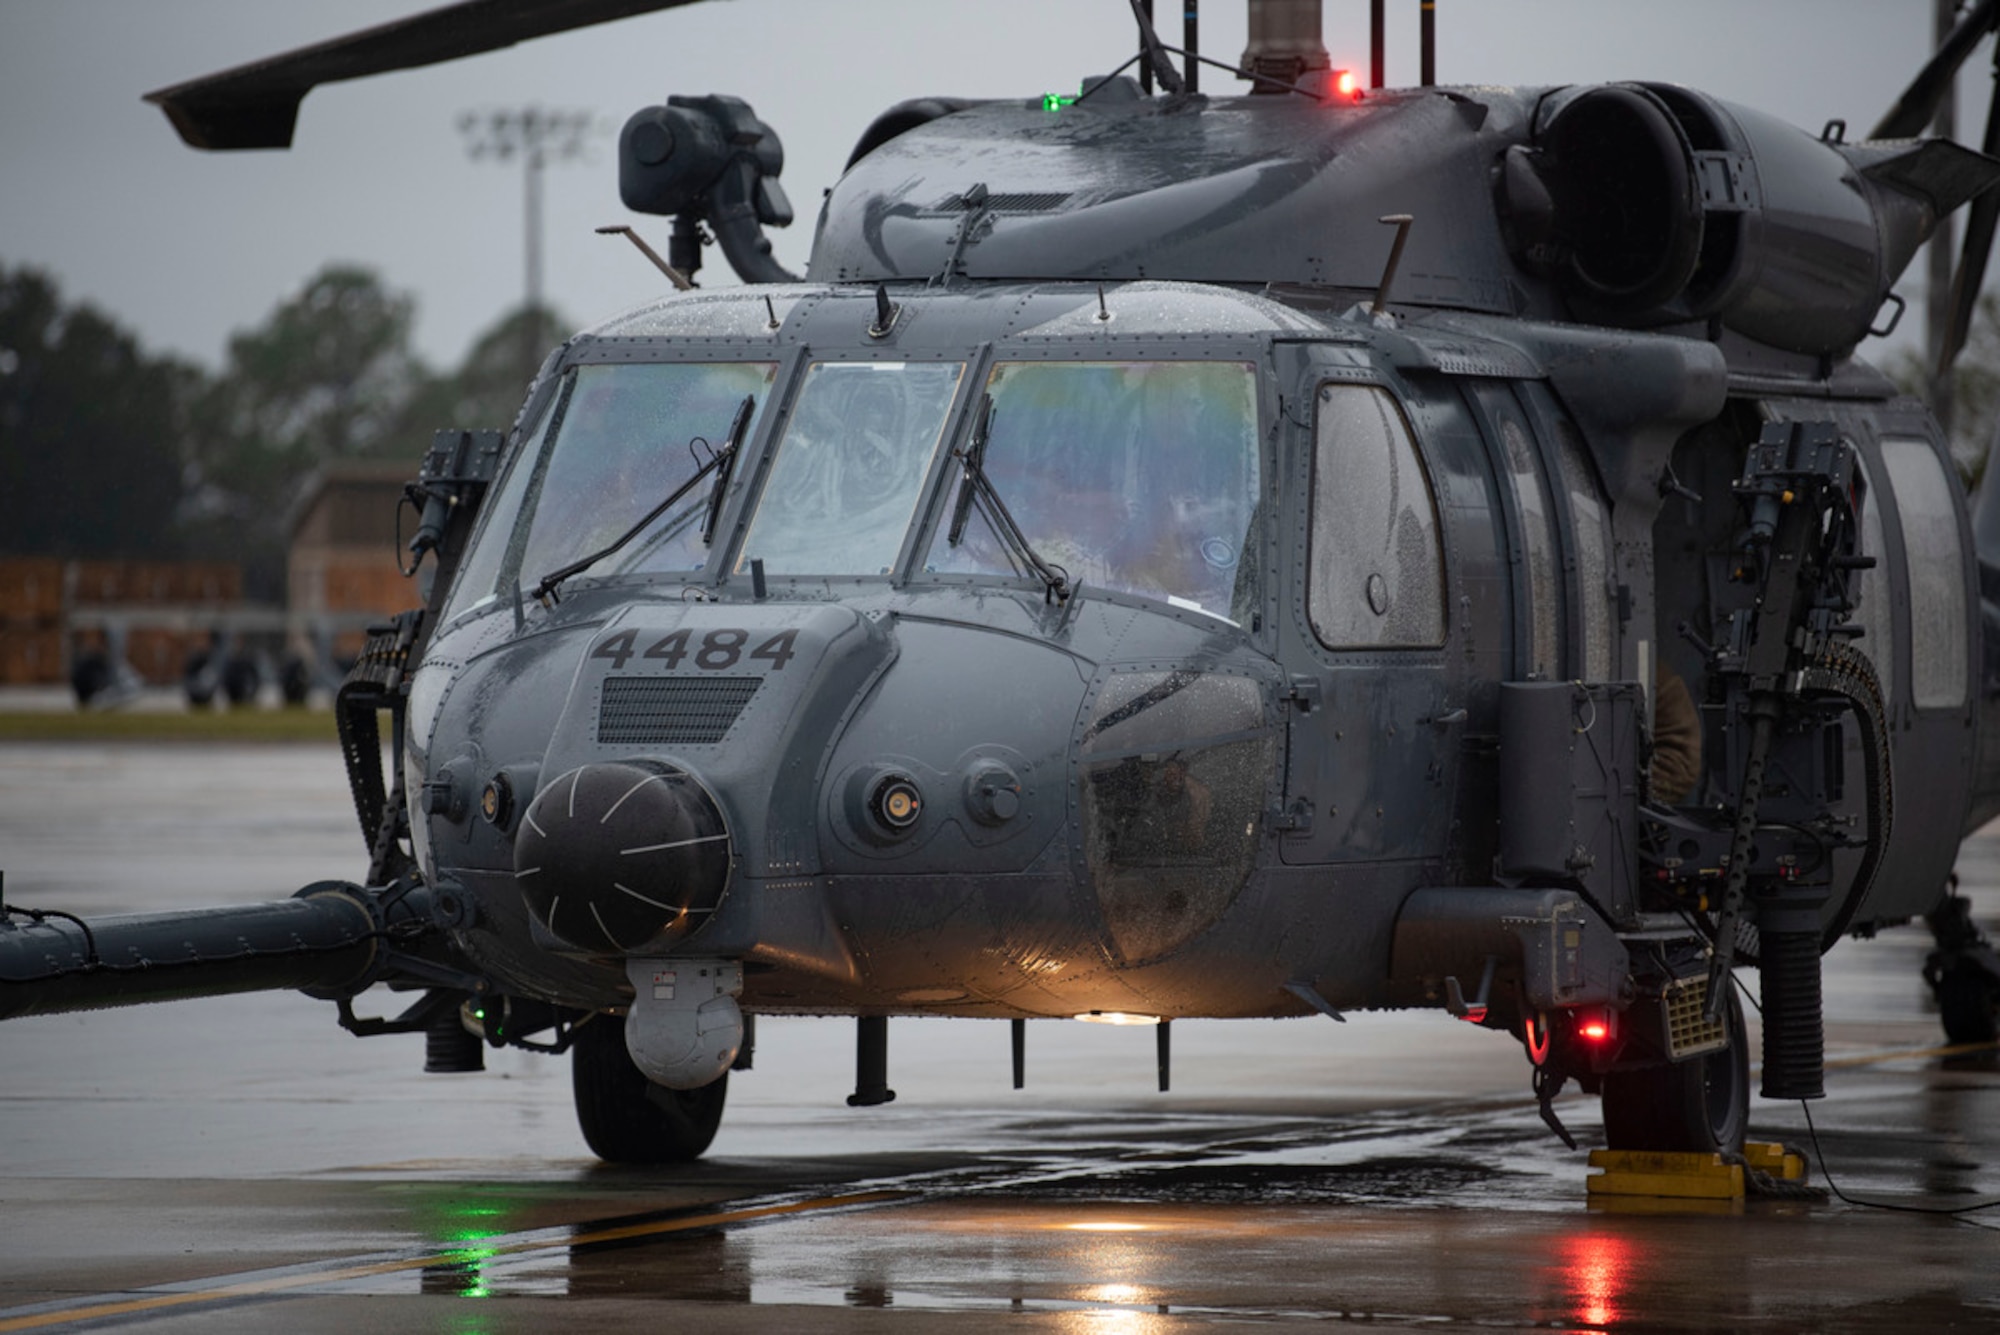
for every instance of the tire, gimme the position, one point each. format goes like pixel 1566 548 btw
pixel 294 680
pixel 626 1118
pixel 91 677
pixel 198 681
pixel 1968 1004
pixel 1700 1105
pixel 241 680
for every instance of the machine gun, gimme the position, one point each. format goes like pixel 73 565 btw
pixel 1783 680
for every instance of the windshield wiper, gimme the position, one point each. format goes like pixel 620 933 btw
pixel 721 463
pixel 1055 580
pixel 725 464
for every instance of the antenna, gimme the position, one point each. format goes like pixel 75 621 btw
pixel 1190 44
pixel 886 312
pixel 1401 222
pixel 1428 36
pixel 1146 66
pixel 1376 64
pixel 674 276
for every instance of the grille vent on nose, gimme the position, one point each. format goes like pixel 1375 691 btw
pixel 670 711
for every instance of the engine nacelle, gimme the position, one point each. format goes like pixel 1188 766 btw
pixel 1650 205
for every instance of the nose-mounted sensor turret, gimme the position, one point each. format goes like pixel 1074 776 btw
pixel 622 856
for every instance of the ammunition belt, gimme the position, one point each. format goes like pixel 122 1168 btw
pixel 377 682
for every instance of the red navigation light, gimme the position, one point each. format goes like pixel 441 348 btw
pixel 1346 84
pixel 1596 1026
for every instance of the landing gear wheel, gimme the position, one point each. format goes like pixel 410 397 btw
pixel 1964 971
pixel 91 677
pixel 1700 1105
pixel 241 679
pixel 1968 1003
pixel 294 680
pixel 625 1117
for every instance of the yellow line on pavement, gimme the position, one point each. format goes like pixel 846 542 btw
pixel 1914 1054
pixel 484 1250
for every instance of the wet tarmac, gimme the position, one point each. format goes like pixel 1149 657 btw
pixel 241 1164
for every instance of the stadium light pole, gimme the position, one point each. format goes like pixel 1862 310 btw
pixel 537 136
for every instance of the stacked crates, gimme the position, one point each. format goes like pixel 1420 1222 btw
pixel 52 610
pixel 31 621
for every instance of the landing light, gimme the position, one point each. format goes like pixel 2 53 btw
pixel 1116 1017
pixel 896 803
pixel 1106 1226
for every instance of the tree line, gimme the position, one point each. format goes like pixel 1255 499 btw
pixel 108 451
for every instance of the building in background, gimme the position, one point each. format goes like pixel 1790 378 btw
pixel 342 572
pixel 104 625
pixel 53 611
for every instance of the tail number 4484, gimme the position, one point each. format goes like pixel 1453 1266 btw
pixel 716 651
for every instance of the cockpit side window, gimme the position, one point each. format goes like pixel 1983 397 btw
pixel 1137 477
pixel 1377 566
pixel 479 577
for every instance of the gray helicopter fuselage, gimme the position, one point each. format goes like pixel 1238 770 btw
pixel 1175 556
pixel 1206 770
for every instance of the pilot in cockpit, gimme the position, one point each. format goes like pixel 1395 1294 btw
pixel 1189 508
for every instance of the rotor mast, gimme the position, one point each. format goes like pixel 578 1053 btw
pixel 1286 44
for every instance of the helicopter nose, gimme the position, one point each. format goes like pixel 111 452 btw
pixel 622 856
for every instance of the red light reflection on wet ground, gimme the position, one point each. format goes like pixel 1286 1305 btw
pixel 1598 1270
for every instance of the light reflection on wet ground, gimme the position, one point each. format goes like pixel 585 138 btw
pixel 240 1164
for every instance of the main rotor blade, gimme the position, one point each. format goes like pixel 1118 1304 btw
pixel 1981 220
pixel 1919 102
pixel 1980 223
pixel 256 105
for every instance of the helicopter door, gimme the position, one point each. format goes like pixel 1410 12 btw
pixel 1537 552
pixel 1369 768
pixel 1585 520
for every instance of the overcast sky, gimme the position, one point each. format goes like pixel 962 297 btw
pixel 184 246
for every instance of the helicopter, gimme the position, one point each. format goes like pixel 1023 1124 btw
pixel 1169 555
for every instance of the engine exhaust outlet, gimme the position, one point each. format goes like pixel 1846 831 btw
pixel 1789 988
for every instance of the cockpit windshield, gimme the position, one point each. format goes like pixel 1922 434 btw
pixel 1134 476
pixel 845 479
pixel 616 442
